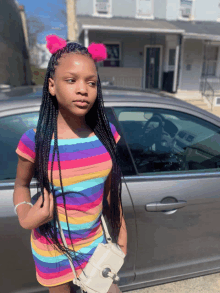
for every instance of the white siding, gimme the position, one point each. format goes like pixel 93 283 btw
pixel 84 7
pixel 192 59
pixel 172 10
pixel 160 7
pixel 206 10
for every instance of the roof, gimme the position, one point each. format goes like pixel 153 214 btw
pixel 126 24
pixel 209 30
pixel 206 30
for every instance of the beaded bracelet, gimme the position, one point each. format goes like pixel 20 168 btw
pixel 22 203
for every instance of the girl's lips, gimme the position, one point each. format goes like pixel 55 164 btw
pixel 79 103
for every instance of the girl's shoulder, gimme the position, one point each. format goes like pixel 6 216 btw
pixel 26 145
pixel 30 133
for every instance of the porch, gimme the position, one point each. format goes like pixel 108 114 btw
pixel 199 79
pixel 142 54
pixel 121 77
pixel 210 90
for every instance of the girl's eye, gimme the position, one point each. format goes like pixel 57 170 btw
pixel 70 80
pixel 92 83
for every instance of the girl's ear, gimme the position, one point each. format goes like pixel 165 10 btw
pixel 51 87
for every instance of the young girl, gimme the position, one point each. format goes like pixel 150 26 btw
pixel 73 152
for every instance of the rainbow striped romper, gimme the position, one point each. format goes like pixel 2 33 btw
pixel 85 166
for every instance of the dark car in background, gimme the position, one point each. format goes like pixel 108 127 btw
pixel 170 159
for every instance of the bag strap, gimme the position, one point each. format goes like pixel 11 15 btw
pixel 108 238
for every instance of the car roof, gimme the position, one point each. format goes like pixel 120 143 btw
pixel 30 96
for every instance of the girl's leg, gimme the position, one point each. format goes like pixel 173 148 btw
pixel 64 288
pixel 114 289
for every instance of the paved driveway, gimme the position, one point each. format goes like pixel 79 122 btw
pixel 208 283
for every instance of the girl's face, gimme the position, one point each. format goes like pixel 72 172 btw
pixel 75 80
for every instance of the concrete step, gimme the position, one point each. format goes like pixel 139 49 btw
pixel 204 108
pixel 215 111
pixel 196 101
pixel 200 104
pixel 188 96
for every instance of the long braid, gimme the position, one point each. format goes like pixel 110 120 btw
pixel 102 129
pixel 47 126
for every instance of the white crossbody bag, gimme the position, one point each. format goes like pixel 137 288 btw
pixel 103 266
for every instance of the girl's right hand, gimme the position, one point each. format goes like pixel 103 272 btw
pixel 38 215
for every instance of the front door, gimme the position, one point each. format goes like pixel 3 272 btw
pixel 152 67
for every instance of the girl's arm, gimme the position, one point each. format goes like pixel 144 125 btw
pixel 122 238
pixel 25 172
pixel 30 217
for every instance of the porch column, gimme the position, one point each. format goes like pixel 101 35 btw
pixel 181 62
pixel 176 67
pixel 86 38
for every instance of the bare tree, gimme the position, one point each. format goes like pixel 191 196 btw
pixel 35 27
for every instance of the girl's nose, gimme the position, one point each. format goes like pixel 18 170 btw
pixel 81 87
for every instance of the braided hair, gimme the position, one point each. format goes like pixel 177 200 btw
pixel 97 120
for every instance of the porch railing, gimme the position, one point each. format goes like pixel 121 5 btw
pixel 122 81
pixel 210 89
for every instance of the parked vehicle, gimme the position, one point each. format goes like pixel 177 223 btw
pixel 170 158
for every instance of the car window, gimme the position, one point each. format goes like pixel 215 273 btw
pixel 125 159
pixel 11 130
pixel 14 126
pixel 162 140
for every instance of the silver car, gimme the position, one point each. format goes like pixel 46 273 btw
pixel 170 158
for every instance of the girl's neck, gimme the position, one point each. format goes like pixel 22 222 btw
pixel 67 122
pixel 72 127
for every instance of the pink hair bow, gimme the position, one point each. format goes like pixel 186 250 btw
pixel 97 51
pixel 54 43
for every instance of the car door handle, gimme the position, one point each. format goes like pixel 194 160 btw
pixel 158 206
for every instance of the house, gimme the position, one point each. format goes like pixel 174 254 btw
pixel 160 44
pixel 200 56
pixel 40 56
pixel 14 58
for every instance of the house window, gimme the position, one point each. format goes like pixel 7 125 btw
pixel 102 7
pixel 186 9
pixel 144 8
pixel 172 55
pixel 113 58
pixel 210 60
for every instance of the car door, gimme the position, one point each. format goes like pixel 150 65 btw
pixel 175 190
pixel 17 265
pixel 126 273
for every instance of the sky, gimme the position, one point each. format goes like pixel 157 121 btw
pixel 46 11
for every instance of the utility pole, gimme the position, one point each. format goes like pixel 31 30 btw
pixel 72 27
pixel 24 24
